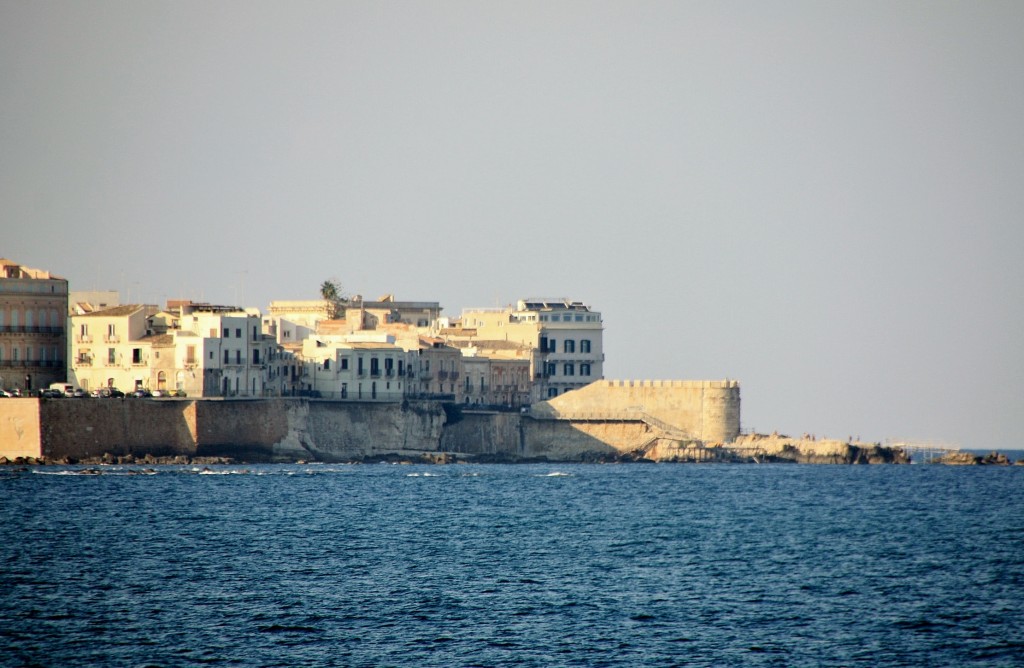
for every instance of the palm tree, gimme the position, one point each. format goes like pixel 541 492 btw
pixel 330 290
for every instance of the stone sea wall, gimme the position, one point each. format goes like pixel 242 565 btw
pixel 329 431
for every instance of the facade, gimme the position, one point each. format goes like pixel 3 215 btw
pixel 109 348
pixel 362 314
pixel 200 350
pixel 33 337
pixel 492 381
pixel 438 370
pixel 225 347
pixel 291 322
pixel 356 367
pixel 565 338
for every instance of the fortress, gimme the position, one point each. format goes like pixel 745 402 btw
pixel 603 421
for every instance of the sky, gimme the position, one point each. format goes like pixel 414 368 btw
pixel 821 200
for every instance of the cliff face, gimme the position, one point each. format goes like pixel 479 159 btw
pixel 330 431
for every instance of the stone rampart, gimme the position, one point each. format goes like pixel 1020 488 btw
pixel 697 409
pixel 19 428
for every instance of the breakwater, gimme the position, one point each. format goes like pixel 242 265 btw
pixel 294 429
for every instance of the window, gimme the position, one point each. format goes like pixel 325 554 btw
pixel 552 345
pixel 136 355
pixel 111 356
pixel 552 391
pixel 344 364
pixel 226 356
pixel 256 356
pixel 111 330
pixel 585 346
pixel 584 369
pixel 551 368
pixel 238 332
pixel 374 367
pixel 238 357
pixel 227 333
pixel 570 346
pixel 359 366
pixel 254 333
pixel 327 364
pixel 569 369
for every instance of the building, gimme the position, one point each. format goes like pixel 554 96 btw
pixel 33 337
pixel 109 348
pixel 226 354
pixel 565 339
pixel 356 367
pixel 201 350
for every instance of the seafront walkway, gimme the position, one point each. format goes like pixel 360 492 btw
pixel 924 452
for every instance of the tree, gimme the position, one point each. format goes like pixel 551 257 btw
pixel 330 290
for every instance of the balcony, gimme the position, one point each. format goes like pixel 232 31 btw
pixel 112 338
pixel 84 360
pixel 19 329
pixel 83 338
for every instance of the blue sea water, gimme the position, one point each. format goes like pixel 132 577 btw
pixel 521 565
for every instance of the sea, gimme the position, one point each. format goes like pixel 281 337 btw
pixel 512 565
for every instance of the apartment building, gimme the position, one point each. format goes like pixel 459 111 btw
pixel 110 348
pixel 565 338
pixel 202 350
pixel 356 367
pixel 33 337
pixel 224 350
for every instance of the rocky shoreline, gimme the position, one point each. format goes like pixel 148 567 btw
pixel 753 449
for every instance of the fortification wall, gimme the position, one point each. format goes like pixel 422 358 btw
pixel 242 427
pixel 496 435
pixel 567 441
pixel 19 428
pixel 335 431
pixel 700 409
pixel 81 428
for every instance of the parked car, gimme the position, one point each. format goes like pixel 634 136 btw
pixel 140 393
pixel 106 393
pixel 50 394
pixel 159 393
pixel 79 393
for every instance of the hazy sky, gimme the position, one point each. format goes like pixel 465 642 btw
pixel 822 200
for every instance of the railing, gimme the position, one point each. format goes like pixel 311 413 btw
pixel 20 329
pixel 112 338
pixel 37 364
pixel 83 338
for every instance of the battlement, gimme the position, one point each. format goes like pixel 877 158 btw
pixel 704 410
pixel 723 384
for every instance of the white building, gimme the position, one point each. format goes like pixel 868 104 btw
pixel 565 337
pixel 356 367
